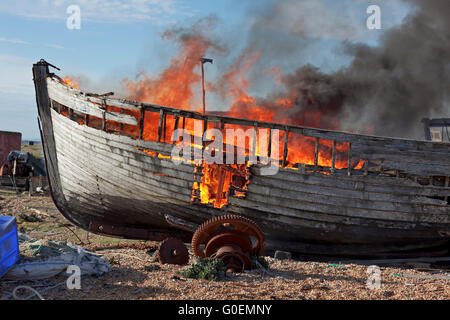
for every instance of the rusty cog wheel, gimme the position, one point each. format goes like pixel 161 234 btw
pixel 216 227
pixel 173 251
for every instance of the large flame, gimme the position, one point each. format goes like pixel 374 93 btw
pixel 175 85
pixel 178 85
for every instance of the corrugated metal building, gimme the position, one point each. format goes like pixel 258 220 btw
pixel 9 141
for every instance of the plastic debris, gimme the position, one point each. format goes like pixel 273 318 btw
pixel 335 266
pixel 46 259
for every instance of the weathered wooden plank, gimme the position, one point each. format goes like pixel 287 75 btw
pixel 112 140
pixel 317 202
pixel 129 155
pixel 279 205
pixel 97 162
pixel 370 193
pixel 77 103
pixel 423 170
pixel 127 187
pixel 399 186
pixel 421 157
pixel 279 218
pixel 55 82
pixel 134 160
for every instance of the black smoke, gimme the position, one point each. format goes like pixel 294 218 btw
pixel 386 89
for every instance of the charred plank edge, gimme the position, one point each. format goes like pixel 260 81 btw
pixel 333 157
pixel 160 124
pixel 316 153
pixel 164 128
pixel 285 146
pixel 269 147
pixel 129 232
pixel 180 223
pixel 141 123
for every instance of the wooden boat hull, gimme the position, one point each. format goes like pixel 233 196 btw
pixel 107 183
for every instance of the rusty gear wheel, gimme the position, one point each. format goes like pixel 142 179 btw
pixel 173 251
pixel 225 237
pixel 234 259
pixel 224 227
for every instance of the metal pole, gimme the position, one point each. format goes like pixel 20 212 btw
pixel 203 61
pixel 203 86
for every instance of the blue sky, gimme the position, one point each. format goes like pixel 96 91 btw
pixel 119 38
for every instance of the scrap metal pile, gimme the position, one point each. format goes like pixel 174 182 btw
pixel 231 238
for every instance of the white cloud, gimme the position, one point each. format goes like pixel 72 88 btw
pixel 55 46
pixel 158 11
pixel 15 41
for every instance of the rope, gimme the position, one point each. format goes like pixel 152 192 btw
pixel 13 181
pixel 35 292
pixel 27 288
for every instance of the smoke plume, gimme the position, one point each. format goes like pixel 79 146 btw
pixel 386 89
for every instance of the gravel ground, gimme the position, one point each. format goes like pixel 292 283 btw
pixel 136 274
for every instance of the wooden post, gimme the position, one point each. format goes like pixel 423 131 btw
pixel 349 160
pixel 141 123
pixel 175 128
pixel 160 124
pixel 164 127
pixel 285 147
pixel 104 115
pixel 333 157
pixel 316 155
pixel 269 147
pixel 222 176
pixel 104 121
pixel 255 138
pixel 205 128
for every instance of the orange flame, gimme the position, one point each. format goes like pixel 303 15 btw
pixel 71 82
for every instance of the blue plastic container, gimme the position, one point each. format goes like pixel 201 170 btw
pixel 9 245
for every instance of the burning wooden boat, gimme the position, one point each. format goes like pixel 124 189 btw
pixel 109 163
